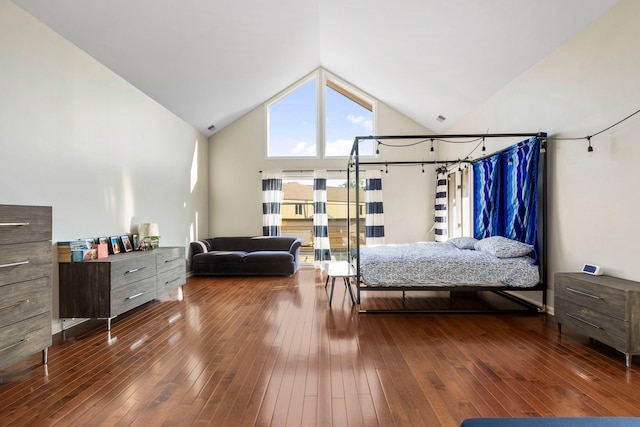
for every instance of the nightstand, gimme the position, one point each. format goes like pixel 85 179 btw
pixel 604 308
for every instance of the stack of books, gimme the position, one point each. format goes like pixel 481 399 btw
pixel 77 251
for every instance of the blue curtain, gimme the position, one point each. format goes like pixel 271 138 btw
pixel 321 245
pixel 519 188
pixel 505 197
pixel 486 196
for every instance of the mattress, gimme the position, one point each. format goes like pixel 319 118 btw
pixel 442 263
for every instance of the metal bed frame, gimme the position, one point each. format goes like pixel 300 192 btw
pixel 503 291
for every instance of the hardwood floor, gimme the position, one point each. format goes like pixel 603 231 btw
pixel 269 352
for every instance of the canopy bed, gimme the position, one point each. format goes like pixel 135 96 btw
pixel 507 250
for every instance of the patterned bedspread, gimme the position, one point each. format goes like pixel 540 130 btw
pixel 434 263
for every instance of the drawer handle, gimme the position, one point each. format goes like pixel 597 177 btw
pixel 13 224
pixel 134 270
pixel 14 344
pixel 583 321
pixel 171 260
pixel 134 296
pixel 575 291
pixel 14 264
pixel 18 304
pixel 172 280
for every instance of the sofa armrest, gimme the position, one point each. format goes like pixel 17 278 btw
pixel 295 246
pixel 200 246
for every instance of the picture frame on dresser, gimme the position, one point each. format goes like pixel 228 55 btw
pixel 126 243
pixel 115 244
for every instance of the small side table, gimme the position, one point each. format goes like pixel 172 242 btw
pixel 340 269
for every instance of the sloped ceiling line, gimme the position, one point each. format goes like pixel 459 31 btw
pixel 210 62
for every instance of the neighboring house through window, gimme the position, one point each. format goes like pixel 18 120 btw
pixel 297 196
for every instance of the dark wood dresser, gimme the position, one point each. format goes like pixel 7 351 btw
pixel 604 308
pixel 25 282
pixel 104 288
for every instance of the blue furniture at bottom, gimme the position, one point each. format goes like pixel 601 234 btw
pixel 553 422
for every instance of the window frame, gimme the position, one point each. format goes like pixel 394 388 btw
pixel 459 209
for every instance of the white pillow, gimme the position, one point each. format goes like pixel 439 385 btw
pixel 502 247
pixel 463 242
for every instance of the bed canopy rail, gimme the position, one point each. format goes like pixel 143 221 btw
pixel 354 167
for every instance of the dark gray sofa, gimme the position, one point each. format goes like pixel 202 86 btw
pixel 245 256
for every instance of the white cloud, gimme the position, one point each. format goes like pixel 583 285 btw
pixel 362 121
pixel 340 147
pixel 303 149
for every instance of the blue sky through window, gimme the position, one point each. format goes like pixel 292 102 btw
pixel 292 124
pixel 344 120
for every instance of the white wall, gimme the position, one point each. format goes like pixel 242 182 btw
pixel 237 154
pixel 77 137
pixel 586 85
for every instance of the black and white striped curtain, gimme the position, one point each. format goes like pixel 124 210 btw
pixel 321 246
pixel 271 203
pixel 374 219
pixel 440 212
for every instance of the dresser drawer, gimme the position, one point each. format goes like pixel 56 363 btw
pixel 170 258
pixel 606 329
pixel 24 261
pixel 604 299
pixel 23 338
pixel 132 269
pixel 171 279
pixel 19 301
pixel 19 224
pixel 132 295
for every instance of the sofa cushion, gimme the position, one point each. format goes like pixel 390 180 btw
pixel 251 244
pixel 268 257
pixel 215 257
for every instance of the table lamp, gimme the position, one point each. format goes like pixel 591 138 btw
pixel 149 236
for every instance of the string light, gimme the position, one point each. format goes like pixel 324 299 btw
pixel 431 151
pixel 588 137
pixel 483 147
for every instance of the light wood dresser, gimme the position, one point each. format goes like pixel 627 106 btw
pixel 604 308
pixel 107 287
pixel 25 282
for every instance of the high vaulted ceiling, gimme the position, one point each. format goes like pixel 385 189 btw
pixel 211 61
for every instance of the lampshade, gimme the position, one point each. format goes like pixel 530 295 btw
pixel 149 229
